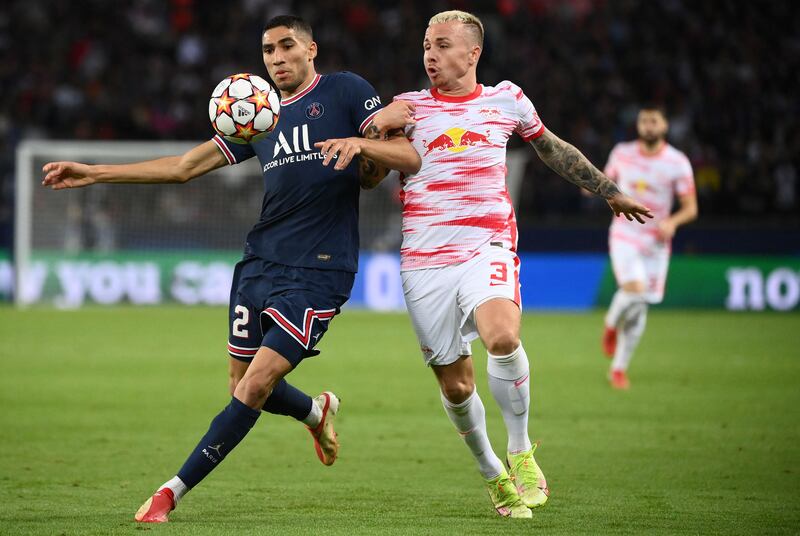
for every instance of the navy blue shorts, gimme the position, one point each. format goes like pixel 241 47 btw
pixel 284 308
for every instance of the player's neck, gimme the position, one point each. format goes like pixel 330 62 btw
pixel 302 86
pixel 651 149
pixel 459 87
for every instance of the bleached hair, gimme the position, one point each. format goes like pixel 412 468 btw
pixel 472 23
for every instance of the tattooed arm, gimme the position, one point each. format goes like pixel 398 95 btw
pixel 370 173
pixel 377 155
pixel 569 162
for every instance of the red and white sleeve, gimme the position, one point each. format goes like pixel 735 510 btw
pixel 529 125
pixel 684 182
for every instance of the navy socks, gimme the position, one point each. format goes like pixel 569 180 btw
pixel 226 431
pixel 233 423
pixel 286 399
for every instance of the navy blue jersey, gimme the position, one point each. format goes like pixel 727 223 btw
pixel 309 215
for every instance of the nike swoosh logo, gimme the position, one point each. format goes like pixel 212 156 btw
pixel 492 284
pixel 517 383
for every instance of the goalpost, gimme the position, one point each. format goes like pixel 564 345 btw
pixel 113 243
pixel 146 244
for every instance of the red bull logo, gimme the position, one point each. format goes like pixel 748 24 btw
pixel 455 140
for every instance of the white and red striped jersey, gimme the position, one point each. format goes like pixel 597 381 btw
pixel 654 181
pixel 458 200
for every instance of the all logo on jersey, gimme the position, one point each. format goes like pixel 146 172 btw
pixel 456 140
pixel 315 110
pixel 293 147
pixel 300 142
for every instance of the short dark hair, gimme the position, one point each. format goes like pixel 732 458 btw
pixel 654 107
pixel 293 22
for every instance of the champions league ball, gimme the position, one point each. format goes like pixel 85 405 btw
pixel 244 108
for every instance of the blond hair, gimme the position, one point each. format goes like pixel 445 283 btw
pixel 471 23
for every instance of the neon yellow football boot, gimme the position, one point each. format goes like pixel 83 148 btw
pixel 505 498
pixel 528 478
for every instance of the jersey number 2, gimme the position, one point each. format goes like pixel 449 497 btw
pixel 242 318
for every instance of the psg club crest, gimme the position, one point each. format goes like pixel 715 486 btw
pixel 315 110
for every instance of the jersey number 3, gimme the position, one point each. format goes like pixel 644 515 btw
pixel 241 320
pixel 500 274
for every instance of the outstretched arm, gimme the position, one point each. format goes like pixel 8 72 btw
pixel 171 169
pixel 378 154
pixel 569 162
pixel 389 123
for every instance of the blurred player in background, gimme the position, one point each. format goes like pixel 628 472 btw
pixel 459 264
pixel 654 172
pixel 300 258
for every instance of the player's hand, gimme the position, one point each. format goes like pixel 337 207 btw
pixel 666 230
pixel 343 150
pixel 60 175
pixel 397 115
pixel 622 204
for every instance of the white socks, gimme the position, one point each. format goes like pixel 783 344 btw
pixel 177 486
pixel 629 335
pixel 619 304
pixel 314 416
pixel 509 381
pixel 469 418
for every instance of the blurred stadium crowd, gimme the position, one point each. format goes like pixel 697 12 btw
pixel 727 73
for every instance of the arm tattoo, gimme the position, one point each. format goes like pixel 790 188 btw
pixel 370 173
pixel 570 163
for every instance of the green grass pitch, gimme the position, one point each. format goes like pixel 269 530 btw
pixel 98 407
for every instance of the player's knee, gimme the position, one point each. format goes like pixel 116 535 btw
pixel 634 287
pixel 502 341
pixel 457 391
pixel 253 391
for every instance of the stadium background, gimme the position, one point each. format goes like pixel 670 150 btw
pixel 141 70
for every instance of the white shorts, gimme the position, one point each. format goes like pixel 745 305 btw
pixel 442 301
pixel 650 266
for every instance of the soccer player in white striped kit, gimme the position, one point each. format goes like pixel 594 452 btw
pixel 459 264
pixel 654 172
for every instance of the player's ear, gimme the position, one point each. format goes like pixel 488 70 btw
pixel 474 55
pixel 312 50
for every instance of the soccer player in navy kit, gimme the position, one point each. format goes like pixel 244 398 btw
pixel 299 259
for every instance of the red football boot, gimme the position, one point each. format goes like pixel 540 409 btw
pixel 325 441
pixel 619 380
pixel 156 508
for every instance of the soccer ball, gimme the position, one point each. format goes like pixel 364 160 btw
pixel 244 108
